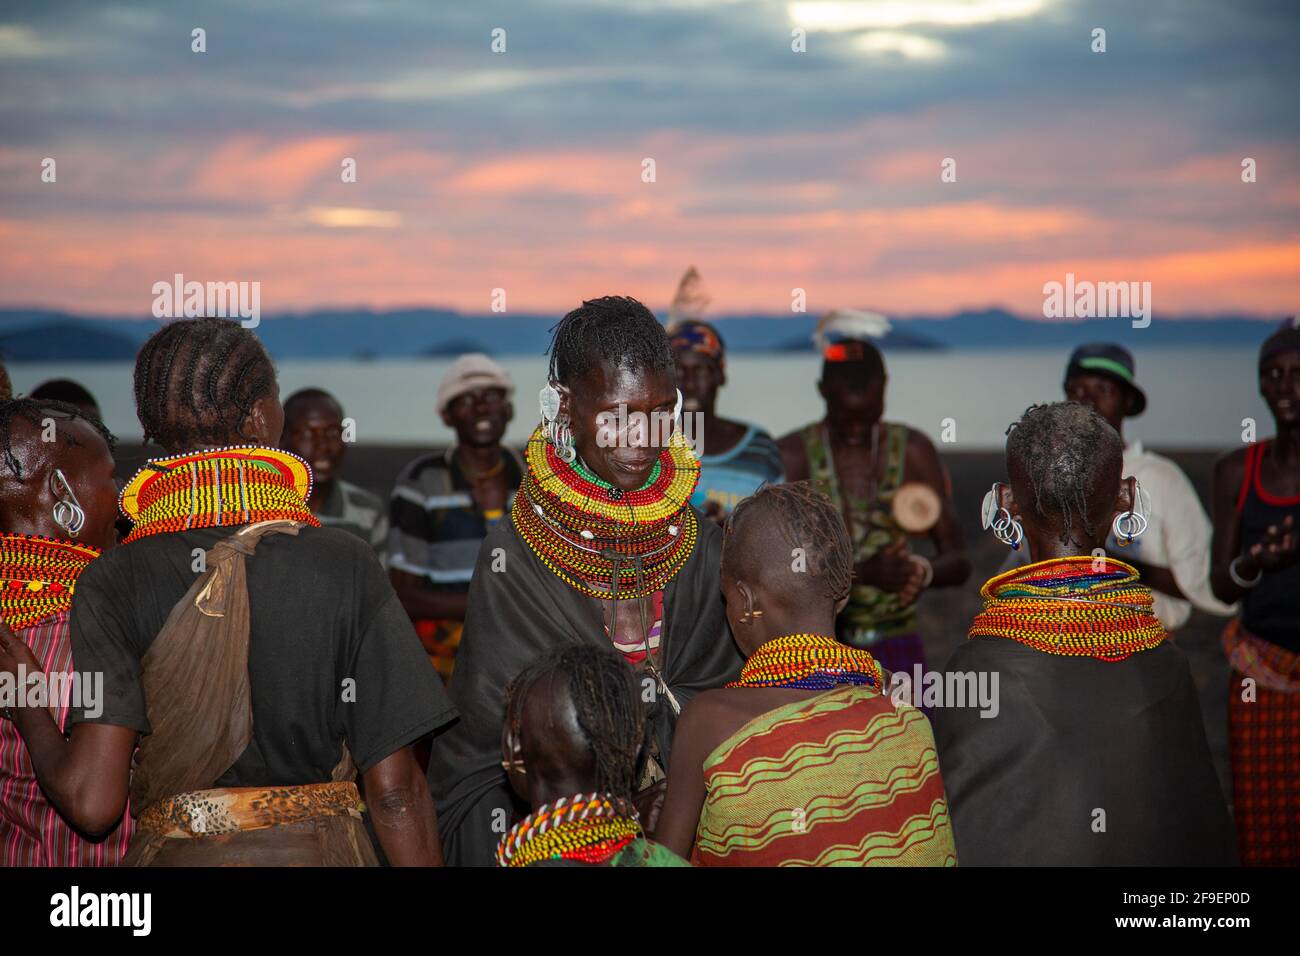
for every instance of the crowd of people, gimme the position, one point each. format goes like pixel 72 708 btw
pixel 612 647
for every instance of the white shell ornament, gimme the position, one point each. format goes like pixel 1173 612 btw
pixel 549 400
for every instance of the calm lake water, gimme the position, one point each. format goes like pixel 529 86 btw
pixel 1197 396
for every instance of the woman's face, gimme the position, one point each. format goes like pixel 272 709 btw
pixel 621 420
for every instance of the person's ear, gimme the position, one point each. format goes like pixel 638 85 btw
pixel 446 419
pixel 566 401
pixel 1127 496
pixel 841 604
pixel 1007 499
pixel 747 598
pixel 821 390
pixel 510 412
pixel 721 374
pixel 256 426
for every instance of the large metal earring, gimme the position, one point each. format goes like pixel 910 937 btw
pixel 556 426
pixel 677 411
pixel 1130 524
pixel 67 512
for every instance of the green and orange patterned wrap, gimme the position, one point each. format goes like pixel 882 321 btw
pixel 846 778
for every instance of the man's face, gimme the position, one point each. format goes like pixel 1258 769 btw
pixel 853 406
pixel 1107 397
pixel 699 377
pixel 1279 384
pixel 479 417
pixel 607 397
pixel 314 432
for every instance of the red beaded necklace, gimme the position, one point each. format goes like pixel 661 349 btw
pixel 38 576
pixel 221 487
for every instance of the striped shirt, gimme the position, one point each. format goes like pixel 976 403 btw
pixel 437 529
pixel 31 831
pixel 351 508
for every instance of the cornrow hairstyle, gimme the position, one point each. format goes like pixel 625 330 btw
pixel 607 701
pixel 196 380
pixel 1067 453
pixel 802 517
pixel 614 330
pixel 36 411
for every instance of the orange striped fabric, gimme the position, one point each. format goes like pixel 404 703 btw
pixel 847 778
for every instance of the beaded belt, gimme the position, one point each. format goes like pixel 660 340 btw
pixel 230 809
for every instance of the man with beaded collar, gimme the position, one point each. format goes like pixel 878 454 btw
pixel 57 508
pixel 602 546
pixel 1096 754
pixel 252 738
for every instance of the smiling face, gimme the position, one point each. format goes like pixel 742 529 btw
pixel 313 430
pixel 479 417
pixel 1279 384
pixel 605 396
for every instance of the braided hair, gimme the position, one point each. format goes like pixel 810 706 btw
pixel 614 330
pixel 36 411
pixel 1067 454
pixel 196 380
pixel 802 517
pixel 607 702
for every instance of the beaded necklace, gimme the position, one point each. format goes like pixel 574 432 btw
pixel 217 488
pixel 808 661
pixel 38 576
pixel 1074 607
pixel 598 538
pixel 588 828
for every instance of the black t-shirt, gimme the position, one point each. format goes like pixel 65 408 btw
pixel 321 613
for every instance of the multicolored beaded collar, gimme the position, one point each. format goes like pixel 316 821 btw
pixel 217 488
pixel 1074 607
pixel 809 661
pixel 588 828
pixel 38 576
pixel 599 539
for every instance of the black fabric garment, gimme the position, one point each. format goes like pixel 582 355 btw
pixel 519 611
pixel 1074 735
pixel 322 612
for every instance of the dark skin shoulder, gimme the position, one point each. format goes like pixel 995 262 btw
pixel 709 719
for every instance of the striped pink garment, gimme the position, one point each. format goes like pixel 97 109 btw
pixel 31 831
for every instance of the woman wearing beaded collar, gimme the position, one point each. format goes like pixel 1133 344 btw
pixel 57 508
pixel 245 719
pixel 602 546
pixel 1096 752
pixel 803 761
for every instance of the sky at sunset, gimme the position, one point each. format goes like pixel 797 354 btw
pixel 523 170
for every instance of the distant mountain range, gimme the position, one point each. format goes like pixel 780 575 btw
pixel 31 335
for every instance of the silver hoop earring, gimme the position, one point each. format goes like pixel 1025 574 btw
pixel 677 410
pixel 1130 524
pixel 554 425
pixel 1009 531
pixel 67 512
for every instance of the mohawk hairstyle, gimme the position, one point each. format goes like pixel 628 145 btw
pixel 1067 454
pixel 615 330
pixel 196 381
pixel 607 701
pixel 803 518
pixel 35 411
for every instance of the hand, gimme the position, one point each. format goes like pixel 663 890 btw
pixel 890 569
pixel 649 803
pixel 1279 548
pixel 912 590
